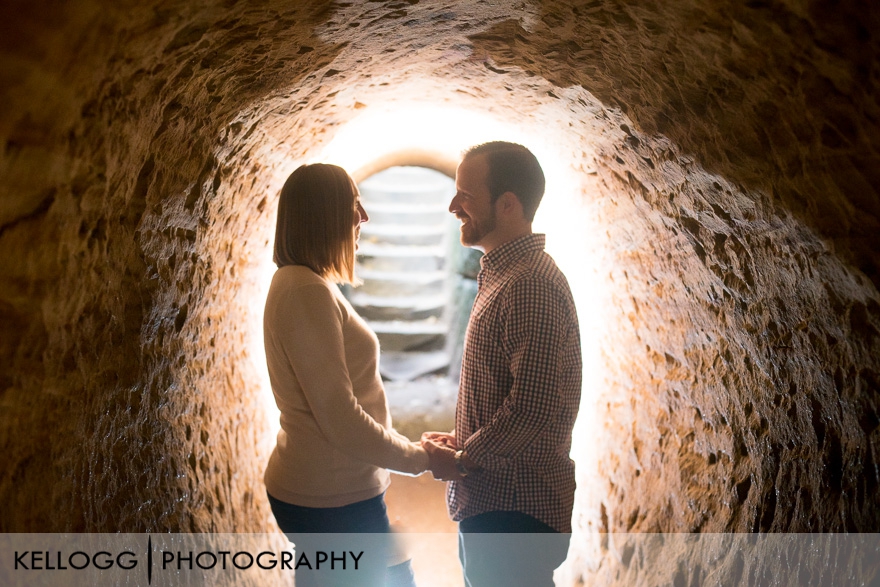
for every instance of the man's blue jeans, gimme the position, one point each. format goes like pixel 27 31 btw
pixel 509 549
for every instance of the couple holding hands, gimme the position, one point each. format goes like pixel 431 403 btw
pixel 507 461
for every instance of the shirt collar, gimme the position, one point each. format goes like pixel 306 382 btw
pixel 511 251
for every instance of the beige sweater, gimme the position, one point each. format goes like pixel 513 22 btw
pixel 336 440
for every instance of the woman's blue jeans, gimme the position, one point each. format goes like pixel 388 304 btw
pixel 304 527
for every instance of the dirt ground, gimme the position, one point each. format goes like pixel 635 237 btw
pixel 417 506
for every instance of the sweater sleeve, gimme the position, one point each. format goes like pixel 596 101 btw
pixel 311 336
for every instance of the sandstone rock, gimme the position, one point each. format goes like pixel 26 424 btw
pixel 725 214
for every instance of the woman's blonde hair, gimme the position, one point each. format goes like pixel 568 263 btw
pixel 315 225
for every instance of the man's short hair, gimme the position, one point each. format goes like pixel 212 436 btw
pixel 315 224
pixel 512 168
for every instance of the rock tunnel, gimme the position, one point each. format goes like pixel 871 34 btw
pixel 713 170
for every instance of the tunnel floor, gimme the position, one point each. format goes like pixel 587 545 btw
pixel 418 505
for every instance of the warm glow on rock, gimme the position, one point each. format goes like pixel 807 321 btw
pixel 712 196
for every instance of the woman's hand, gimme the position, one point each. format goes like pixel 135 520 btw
pixel 445 439
pixel 441 460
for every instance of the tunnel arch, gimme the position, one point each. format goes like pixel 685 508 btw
pixel 732 170
pixel 408 158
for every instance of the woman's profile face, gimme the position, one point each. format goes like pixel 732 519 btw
pixel 360 216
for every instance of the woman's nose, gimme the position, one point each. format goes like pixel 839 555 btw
pixel 364 216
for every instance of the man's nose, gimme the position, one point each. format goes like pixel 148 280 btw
pixel 453 204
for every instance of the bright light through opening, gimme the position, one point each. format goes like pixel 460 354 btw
pixel 381 130
pixel 572 237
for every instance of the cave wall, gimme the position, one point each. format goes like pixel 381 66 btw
pixel 729 153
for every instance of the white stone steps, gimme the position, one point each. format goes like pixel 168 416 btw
pixel 418 207
pixel 433 195
pixel 403 234
pixel 404 185
pixel 402 260
pixel 409 335
pixel 395 283
pixel 402 230
pixel 428 326
pixel 418 277
pixel 408 218
pixel 369 249
pixel 401 366
pixel 412 303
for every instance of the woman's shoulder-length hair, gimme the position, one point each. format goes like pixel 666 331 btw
pixel 315 224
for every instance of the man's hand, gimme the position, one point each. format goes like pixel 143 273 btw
pixel 441 461
pixel 446 439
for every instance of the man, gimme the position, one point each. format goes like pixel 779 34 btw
pixel 507 459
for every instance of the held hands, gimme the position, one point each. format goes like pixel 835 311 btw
pixel 441 447
pixel 446 439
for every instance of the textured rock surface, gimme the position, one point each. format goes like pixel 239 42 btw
pixel 727 153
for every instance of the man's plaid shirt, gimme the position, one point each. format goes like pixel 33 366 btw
pixel 520 389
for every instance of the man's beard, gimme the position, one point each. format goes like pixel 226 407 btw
pixel 472 232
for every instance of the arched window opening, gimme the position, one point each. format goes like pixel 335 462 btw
pixel 418 287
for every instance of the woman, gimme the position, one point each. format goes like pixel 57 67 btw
pixel 329 469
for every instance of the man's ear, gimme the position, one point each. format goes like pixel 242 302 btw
pixel 510 204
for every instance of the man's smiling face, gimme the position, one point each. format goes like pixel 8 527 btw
pixel 472 203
